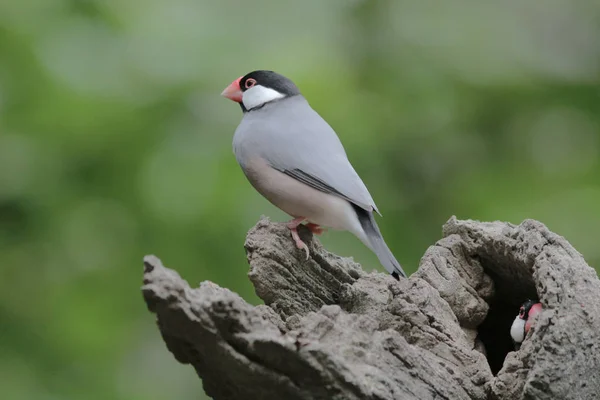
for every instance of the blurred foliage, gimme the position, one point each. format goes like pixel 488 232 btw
pixel 114 143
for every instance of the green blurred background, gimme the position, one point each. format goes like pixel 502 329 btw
pixel 115 143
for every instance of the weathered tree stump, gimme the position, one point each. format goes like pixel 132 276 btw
pixel 329 330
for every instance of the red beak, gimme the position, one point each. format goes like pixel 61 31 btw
pixel 533 311
pixel 233 91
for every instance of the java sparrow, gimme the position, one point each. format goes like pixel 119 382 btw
pixel 296 161
pixel 523 321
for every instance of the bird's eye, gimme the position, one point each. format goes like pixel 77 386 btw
pixel 249 83
pixel 521 311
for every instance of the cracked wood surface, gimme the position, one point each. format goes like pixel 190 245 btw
pixel 329 330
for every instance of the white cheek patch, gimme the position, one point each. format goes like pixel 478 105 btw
pixel 258 95
pixel 517 330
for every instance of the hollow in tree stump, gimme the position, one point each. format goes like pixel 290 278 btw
pixel 329 330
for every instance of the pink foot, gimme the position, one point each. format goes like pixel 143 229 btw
pixel 314 228
pixel 293 227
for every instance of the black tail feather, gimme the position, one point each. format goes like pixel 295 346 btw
pixel 377 243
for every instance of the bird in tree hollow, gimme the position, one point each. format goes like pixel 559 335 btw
pixel 524 320
pixel 296 161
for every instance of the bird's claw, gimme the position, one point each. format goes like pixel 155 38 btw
pixel 299 243
pixel 314 228
pixel 293 227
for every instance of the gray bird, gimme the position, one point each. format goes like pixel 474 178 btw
pixel 296 161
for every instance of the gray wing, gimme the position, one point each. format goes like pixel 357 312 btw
pixel 315 182
pixel 295 140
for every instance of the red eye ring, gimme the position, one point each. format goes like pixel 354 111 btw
pixel 249 83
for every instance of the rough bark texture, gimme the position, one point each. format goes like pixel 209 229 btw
pixel 329 330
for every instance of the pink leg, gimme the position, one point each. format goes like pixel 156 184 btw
pixel 293 226
pixel 314 228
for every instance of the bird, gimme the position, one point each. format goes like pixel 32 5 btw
pixel 523 321
pixel 295 159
